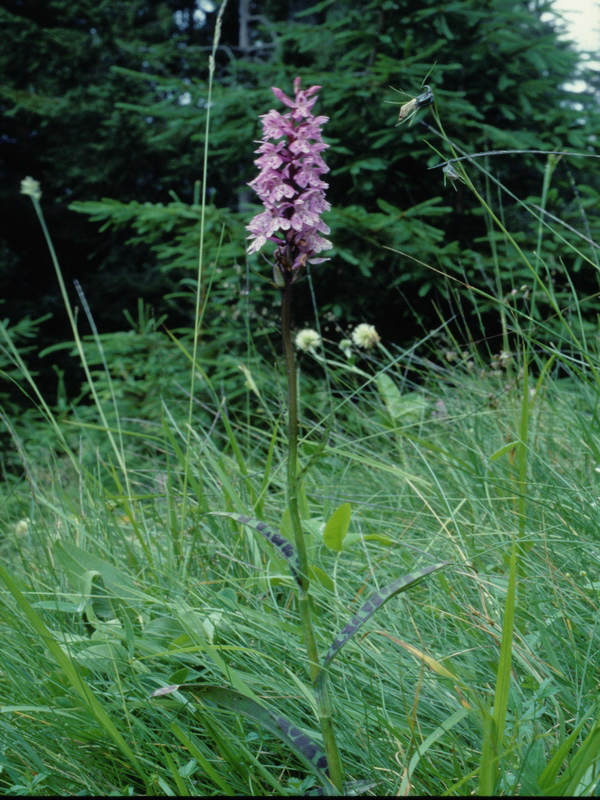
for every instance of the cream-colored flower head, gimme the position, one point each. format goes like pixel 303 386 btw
pixel 307 339
pixel 365 336
pixel 31 187
pixel 22 526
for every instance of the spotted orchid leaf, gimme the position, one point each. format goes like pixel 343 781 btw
pixel 279 542
pixel 375 601
pixel 307 750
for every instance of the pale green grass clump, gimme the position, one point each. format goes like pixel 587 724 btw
pixel 110 595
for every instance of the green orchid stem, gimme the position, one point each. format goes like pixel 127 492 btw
pixel 322 693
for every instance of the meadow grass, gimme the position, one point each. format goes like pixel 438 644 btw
pixel 150 642
pixel 107 598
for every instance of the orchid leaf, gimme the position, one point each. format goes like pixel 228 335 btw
pixel 375 601
pixel 307 750
pixel 279 542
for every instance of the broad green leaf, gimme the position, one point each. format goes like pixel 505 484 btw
pixel 337 526
pixel 390 394
pixel 409 406
pixel 283 547
pixel 95 593
pixel 83 567
pixel 307 750
pixel 375 601
pixel 192 623
pixel 110 657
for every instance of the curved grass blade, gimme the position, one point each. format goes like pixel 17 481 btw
pixel 307 750
pixel 375 601
pixel 279 542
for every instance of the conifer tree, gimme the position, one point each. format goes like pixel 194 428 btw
pixel 106 100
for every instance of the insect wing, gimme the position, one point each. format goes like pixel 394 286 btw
pixel 408 108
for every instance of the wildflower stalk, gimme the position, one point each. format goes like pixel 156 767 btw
pixel 323 701
pixel 290 187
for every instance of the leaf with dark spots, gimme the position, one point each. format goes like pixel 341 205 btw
pixel 279 542
pixel 305 748
pixel 304 742
pixel 375 601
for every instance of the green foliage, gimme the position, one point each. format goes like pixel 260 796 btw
pixel 129 623
pixel 22 426
pixel 336 527
pixel 142 374
pixel 120 106
pixel 13 341
pixel 125 578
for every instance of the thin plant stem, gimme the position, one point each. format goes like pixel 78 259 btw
pixel 199 305
pixel 119 452
pixel 322 693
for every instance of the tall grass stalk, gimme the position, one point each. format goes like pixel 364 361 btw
pixel 200 306
pixel 494 727
pixel 117 449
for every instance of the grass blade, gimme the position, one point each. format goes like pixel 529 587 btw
pixel 194 750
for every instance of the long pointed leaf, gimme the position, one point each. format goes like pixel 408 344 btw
pixel 279 542
pixel 307 750
pixel 78 563
pixel 548 776
pixel 375 601
pixel 578 770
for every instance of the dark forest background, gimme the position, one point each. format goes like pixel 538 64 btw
pixel 104 103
